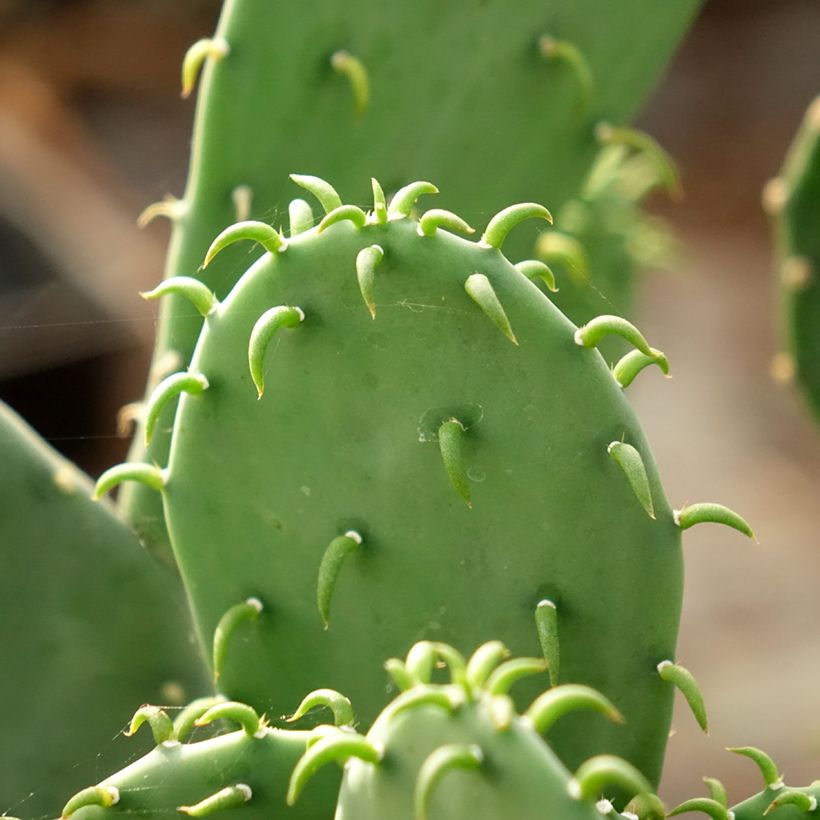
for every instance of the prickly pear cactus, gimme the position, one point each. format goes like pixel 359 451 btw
pixel 79 594
pixel 422 77
pixel 787 802
pixel 793 200
pixel 389 433
pixel 459 750
pixel 241 774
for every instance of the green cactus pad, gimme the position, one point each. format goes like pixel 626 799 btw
pixel 79 594
pixel 459 751
pixel 793 199
pixel 347 437
pixel 494 100
pixel 233 775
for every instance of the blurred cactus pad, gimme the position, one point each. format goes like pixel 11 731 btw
pixel 496 103
pixel 793 200
pixel 91 627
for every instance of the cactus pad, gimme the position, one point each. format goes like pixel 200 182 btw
pixel 400 427
pixel 793 199
pixel 458 750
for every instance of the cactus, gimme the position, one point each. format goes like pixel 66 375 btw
pixel 459 750
pixel 275 87
pixel 410 400
pixel 240 773
pixel 793 200
pixel 79 594
pixel 789 803
pixel 602 241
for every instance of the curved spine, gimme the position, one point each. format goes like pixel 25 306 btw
pixel 330 567
pixel 324 192
pixel 569 54
pixel 367 260
pixel 421 658
pixel 300 216
pixel 601 771
pixel 437 218
pixel 338 704
pixel 685 682
pixel 484 661
pixel 717 791
pixel 246 716
pixel 103 796
pixel 502 678
pixel 405 198
pixel 504 221
pixel 263 331
pixel 343 213
pixel 192 383
pixel 197 293
pixel 703 804
pixel 536 269
pixel 710 513
pixel 451 445
pixel 231 797
pixel 555 247
pixel 398 674
pixel 631 462
pixel 593 332
pixel 247 610
pixel 454 757
pixel 421 696
pixel 251 230
pixel 628 366
pixel 768 768
pixel 553 704
pixel 171 208
pixel 379 202
pixel 454 661
pixel 339 746
pixel 161 726
pixel 185 721
pixel 344 63
pixel 641 142
pixel 215 48
pixel 802 801
pixel 546 627
pixel 147 474
pixel 480 290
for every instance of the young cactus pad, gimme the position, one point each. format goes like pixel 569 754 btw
pixel 79 593
pixel 237 774
pixel 403 438
pixel 462 92
pixel 459 751
pixel 793 199
pixel 778 800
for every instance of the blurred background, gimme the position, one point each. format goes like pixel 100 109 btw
pixel 92 129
